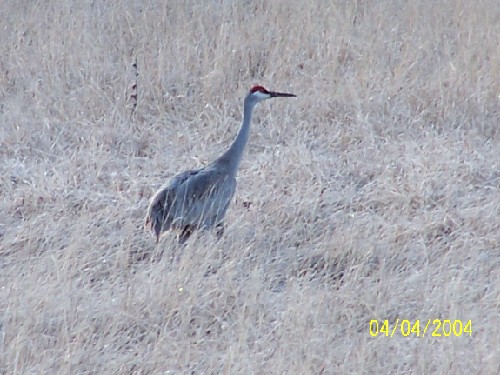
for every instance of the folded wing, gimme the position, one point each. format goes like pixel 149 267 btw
pixel 196 199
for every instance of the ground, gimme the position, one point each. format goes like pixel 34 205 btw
pixel 373 196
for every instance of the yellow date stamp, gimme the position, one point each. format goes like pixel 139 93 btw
pixel 433 328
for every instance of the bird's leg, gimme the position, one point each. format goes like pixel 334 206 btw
pixel 185 234
pixel 220 230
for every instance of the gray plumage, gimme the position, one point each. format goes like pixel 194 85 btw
pixel 198 199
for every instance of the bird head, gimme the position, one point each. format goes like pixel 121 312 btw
pixel 259 93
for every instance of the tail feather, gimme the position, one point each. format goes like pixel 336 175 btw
pixel 155 217
pixel 158 218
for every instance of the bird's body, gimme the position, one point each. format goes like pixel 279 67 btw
pixel 198 199
pixel 194 199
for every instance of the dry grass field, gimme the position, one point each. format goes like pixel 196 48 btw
pixel 375 194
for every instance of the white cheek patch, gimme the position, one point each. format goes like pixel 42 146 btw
pixel 262 95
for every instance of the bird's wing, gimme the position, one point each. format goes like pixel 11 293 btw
pixel 197 198
pixel 181 178
pixel 203 198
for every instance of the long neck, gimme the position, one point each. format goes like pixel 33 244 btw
pixel 232 157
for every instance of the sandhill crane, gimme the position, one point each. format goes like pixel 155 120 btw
pixel 198 199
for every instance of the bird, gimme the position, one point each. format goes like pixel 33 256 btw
pixel 197 199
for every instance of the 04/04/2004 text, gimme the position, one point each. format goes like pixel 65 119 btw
pixel 434 328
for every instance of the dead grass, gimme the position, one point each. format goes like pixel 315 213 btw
pixel 374 195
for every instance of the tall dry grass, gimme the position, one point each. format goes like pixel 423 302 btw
pixel 374 195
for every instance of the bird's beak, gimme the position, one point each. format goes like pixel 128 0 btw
pixel 281 94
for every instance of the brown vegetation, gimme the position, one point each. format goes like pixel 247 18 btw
pixel 374 195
